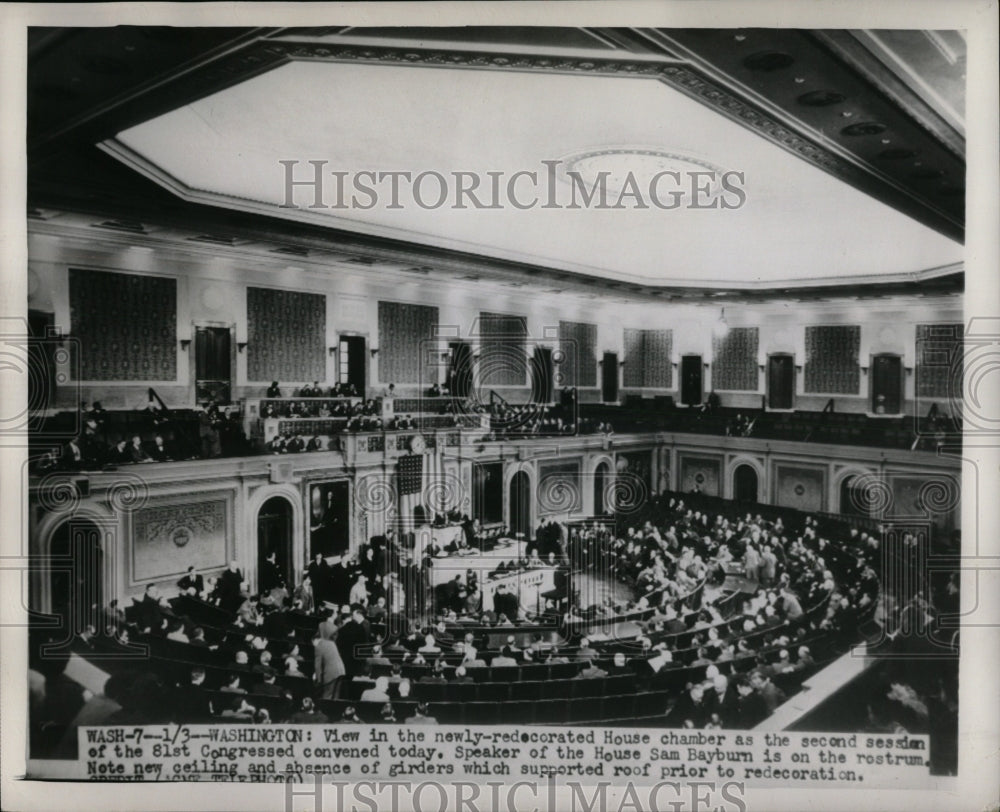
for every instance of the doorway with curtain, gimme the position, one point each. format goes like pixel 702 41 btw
pixel 601 479
pixel 691 383
pixel 609 378
pixel 745 484
pixel 541 376
pixel 460 373
pixel 781 381
pixel 213 349
pixel 274 534
pixel 352 362
pixel 520 505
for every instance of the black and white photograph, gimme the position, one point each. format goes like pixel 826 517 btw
pixel 537 410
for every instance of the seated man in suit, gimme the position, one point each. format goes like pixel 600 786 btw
pixel 436 675
pixel 160 451
pixel 268 686
pixel 421 716
pixel 505 603
pixel 504 659
pixel 136 453
pixel 378 693
pixel 191 583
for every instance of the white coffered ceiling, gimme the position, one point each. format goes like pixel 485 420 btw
pixel 799 225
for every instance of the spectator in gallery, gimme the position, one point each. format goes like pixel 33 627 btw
pixel 273 391
pixel 389 391
pixel 315 443
pixel 751 709
pixel 176 632
pixel 198 638
pixel 378 611
pixel 377 693
pixel 119 453
pixel 263 665
pixel 504 658
pixel 292 667
pixel 307 714
pixel 378 658
pixel 387 714
pixel 350 716
pixel 768 691
pixel 239 710
pixel 437 673
pixel 268 685
pixel 421 716
pixel 160 451
pixel 232 685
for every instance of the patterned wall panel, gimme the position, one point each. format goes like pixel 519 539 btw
pixel 168 538
pixel 703 472
pixel 734 367
pixel 286 335
pixel 635 358
pixel 125 326
pixel 648 358
pixel 503 359
pixel 578 342
pixel 939 361
pixel 832 363
pixel 659 369
pixel 559 488
pixel 800 488
pixel 405 332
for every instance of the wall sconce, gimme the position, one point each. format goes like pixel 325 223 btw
pixel 374 351
pixel 909 370
pixel 721 328
pixel 331 350
pixel 760 367
pixel 864 370
pixel 185 343
pixel 621 363
pixel 706 364
pixel 798 367
pixel 241 345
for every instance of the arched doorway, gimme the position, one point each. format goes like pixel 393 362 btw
pixel 854 499
pixel 520 505
pixel 274 534
pixel 76 567
pixel 745 483
pixel 600 488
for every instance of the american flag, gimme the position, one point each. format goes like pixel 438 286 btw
pixel 409 486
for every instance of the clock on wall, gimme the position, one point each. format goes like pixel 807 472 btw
pixel 417 444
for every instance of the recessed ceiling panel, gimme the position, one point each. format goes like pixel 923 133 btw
pixel 790 222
